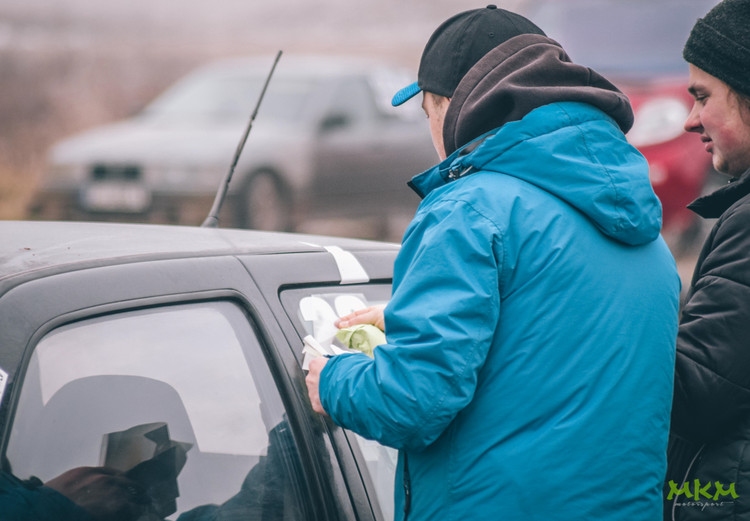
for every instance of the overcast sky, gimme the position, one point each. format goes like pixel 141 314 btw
pixel 397 28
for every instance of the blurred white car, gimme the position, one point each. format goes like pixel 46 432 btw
pixel 325 143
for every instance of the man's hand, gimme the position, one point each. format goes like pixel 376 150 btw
pixel 104 493
pixel 372 315
pixel 313 381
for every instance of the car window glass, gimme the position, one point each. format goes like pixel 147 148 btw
pixel 354 100
pixel 178 397
pixel 313 312
pixel 225 96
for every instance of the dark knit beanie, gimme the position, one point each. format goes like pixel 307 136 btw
pixel 719 44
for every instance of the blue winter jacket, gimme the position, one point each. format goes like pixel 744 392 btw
pixel 528 368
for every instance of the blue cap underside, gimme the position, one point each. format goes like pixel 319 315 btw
pixel 405 94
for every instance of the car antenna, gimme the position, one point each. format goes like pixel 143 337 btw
pixel 212 221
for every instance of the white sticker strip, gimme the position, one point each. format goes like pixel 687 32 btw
pixel 350 269
pixel 3 383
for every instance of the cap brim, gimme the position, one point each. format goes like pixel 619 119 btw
pixel 405 94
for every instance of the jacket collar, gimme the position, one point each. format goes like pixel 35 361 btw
pixel 453 167
pixel 711 206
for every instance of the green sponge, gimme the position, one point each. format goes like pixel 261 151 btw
pixel 362 337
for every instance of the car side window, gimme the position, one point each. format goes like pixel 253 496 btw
pixel 178 398
pixel 354 101
pixel 313 312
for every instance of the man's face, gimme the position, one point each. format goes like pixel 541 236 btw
pixel 435 107
pixel 721 120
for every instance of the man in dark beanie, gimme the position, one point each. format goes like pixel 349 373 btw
pixel 528 365
pixel 709 447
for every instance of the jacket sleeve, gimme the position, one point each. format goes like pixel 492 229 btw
pixel 439 327
pixel 712 373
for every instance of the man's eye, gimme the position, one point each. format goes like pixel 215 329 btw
pixel 699 96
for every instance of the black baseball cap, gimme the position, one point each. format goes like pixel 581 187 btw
pixel 458 44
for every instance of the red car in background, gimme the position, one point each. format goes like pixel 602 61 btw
pixel 637 44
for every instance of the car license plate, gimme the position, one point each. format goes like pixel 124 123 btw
pixel 116 197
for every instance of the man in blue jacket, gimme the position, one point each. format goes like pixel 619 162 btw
pixel 528 367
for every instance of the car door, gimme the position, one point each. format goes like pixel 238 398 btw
pixel 178 374
pixel 307 304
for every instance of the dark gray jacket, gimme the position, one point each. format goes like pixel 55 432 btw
pixel 710 437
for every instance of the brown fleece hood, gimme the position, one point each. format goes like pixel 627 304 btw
pixel 519 75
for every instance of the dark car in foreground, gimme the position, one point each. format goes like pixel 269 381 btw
pixel 326 143
pixel 637 44
pixel 174 355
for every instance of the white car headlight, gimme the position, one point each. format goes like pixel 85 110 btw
pixel 658 120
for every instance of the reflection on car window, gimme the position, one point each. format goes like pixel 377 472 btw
pixel 180 398
pixel 313 311
pixel 381 466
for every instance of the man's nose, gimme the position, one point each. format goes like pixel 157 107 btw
pixel 693 121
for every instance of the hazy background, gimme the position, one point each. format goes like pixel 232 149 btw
pixel 67 65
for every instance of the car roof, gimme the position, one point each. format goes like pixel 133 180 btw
pixel 35 248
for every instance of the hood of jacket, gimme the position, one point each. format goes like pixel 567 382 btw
pixel 521 74
pixel 575 152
